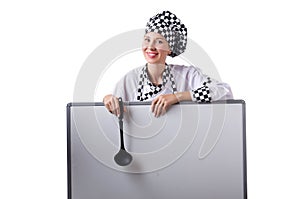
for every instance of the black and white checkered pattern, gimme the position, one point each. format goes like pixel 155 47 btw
pixel 171 28
pixel 202 94
pixel 167 75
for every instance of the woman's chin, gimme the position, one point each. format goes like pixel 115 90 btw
pixel 152 61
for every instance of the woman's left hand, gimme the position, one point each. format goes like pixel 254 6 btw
pixel 161 104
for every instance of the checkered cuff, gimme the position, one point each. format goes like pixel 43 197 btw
pixel 201 94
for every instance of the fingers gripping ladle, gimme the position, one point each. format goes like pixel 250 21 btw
pixel 122 158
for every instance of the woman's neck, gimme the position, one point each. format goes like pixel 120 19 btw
pixel 155 72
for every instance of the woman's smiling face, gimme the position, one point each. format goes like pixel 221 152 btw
pixel 155 48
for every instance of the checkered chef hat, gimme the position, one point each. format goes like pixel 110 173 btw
pixel 171 28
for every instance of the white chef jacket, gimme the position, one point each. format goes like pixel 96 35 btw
pixel 187 78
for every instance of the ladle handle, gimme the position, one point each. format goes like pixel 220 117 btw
pixel 121 122
pixel 121 134
pixel 121 105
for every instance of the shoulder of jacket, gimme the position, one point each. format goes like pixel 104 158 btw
pixel 185 69
pixel 133 74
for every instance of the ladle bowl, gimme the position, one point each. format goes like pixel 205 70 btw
pixel 123 158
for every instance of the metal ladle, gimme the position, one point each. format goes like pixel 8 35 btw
pixel 122 158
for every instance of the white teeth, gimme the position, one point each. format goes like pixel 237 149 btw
pixel 152 54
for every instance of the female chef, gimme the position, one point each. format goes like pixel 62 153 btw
pixel 165 84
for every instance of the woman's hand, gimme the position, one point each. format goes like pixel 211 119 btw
pixel 112 104
pixel 161 104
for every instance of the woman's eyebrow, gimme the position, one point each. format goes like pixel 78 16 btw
pixel 155 37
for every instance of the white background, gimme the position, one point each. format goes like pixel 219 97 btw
pixel 254 44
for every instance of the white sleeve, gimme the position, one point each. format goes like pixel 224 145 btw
pixel 206 89
pixel 127 86
pixel 121 90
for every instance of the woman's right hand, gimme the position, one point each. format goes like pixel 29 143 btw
pixel 112 104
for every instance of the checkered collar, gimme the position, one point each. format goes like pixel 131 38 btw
pixel 154 89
